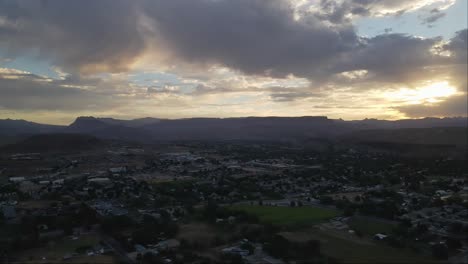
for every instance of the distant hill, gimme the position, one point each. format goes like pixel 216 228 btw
pixel 455 136
pixel 22 127
pixel 250 128
pixel 110 129
pixel 427 122
pixel 415 142
pixel 220 129
pixel 140 122
pixel 54 143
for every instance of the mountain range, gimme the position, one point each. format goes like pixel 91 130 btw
pixel 248 128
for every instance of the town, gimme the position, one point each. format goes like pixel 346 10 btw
pixel 231 202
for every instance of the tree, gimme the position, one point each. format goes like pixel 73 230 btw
pixel 210 210
pixel 453 243
pixel 440 251
pixel 277 246
pixel 420 229
pixel 232 259
pixel 2 218
pixel 326 200
pixel 456 227
pixel 115 223
pixel 349 211
pixel 248 246
pixel 313 247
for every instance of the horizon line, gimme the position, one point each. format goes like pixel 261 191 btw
pixel 241 117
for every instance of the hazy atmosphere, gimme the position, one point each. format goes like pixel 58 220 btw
pixel 216 58
pixel 233 131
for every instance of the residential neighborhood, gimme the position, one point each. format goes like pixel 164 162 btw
pixel 154 203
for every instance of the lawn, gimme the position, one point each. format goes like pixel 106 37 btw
pixel 55 250
pixel 347 250
pixel 288 216
pixel 370 227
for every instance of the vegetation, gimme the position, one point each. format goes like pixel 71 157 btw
pixel 354 250
pixel 288 216
pixel 370 228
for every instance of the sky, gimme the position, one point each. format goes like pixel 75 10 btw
pixel 349 59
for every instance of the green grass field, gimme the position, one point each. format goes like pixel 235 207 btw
pixel 55 250
pixel 288 216
pixel 347 249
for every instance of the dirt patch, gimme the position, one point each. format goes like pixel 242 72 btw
pixel 199 233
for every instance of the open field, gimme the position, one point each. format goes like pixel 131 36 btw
pixel 357 250
pixel 370 227
pixel 197 233
pixel 288 216
pixel 56 250
pixel 104 259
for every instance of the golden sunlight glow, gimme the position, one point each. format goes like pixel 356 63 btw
pixel 431 93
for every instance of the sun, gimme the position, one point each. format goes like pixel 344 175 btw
pixel 431 93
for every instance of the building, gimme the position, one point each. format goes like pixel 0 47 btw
pixel 9 212
pixel 16 179
pixel 99 180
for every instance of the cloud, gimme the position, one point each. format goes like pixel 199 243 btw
pixel 457 46
pixel 28 92
pixel 340 11
pixel 254 36
pixel 391 57
pixel 273 50
pixel 456 71
pixel 265 38
pixel 81 36
pixel 433 16
pixel 453 106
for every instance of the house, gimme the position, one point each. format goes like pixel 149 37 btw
pixel 168 244
pixel 16 179
pixel 380 236
pixel 99 180
pixel 9 211
pixel 58 182
pixel 139 248
pixel 29 187
pixel 118 170
pixel 133 255
pixel 235 250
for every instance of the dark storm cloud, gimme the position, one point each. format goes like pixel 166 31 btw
pixel 458 46
pixel 254 36
pixel 263 38
pixel 391 57
pixel 85 35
